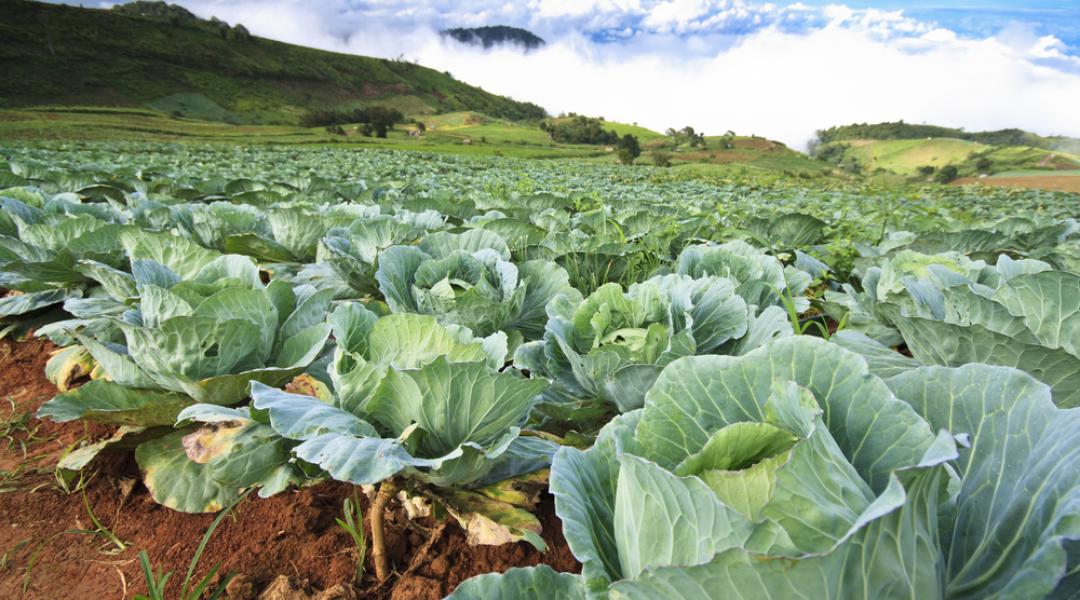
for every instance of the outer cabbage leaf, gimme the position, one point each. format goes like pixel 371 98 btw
pixel 465 416
pixel 528 583
pixel 1013 528
pixel 864 468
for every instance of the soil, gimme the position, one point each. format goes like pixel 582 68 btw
pixel 1054 183
pixel 293 534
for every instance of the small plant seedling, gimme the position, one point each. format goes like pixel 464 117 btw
pixel 156 580
pixel 352 522
pixel 801 327
pixel 15 429
pixel 112 543
pixel 68 481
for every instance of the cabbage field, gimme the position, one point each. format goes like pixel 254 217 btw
pixel 732 390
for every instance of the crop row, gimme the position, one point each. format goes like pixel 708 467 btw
pixel 747 394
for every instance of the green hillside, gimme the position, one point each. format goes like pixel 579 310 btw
pixel 904 157
pixel 64 55
pixel 642 133
pixel 923 157
pixel 736 155
pixel 900 130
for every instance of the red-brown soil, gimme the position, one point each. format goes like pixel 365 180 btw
pixel 1054 183
pixel 293 534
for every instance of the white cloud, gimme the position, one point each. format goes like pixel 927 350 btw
pixel 784 85
pixel 713 64
pixel 676 14
pixel 578 8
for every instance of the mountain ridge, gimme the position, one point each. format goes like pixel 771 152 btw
pixel 491 36
pixel 206 69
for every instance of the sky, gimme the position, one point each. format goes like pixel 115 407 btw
pixel 781 70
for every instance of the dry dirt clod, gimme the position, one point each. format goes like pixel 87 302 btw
pixel 338 592
pixel 240 588
pixel 440 566
pixel 127 485
pixel 281 588
pixel 416 587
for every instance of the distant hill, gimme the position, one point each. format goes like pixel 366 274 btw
pixel 150 54
pixel 900 130
pixel 926 157
pixel 495 35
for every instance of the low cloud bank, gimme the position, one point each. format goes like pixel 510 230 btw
pixel 777 72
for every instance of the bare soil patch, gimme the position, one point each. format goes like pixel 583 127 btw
pixel 1054 183
pixel 293 534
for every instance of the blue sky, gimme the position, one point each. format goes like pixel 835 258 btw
pixel 983 19
pixel 779 69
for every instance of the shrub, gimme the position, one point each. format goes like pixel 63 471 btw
pixel 629 149
pixel 946 174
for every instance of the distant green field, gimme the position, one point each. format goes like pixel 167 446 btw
pixel 643 134
pixel 754 153
pixel 195 106
pixel 1012 159
pixel 475 127
pixel 463 133
pixel 906 156
pixel 490 137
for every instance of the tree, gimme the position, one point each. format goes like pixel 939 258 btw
pixel 238 33
pixel 661 158
pixel 382 119
pixel 832 153
pixel 577 129
pixel 692 137
pixel 983 165
pixel 946 174
pixel 686 135
pixel 629 149
pixel 377 119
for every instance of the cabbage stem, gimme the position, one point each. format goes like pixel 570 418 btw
pixel 387 489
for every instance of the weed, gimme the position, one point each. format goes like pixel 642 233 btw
pixel 801 326
pixel 68 481
pixel 353 524
pixel 156 580
pixel 15 479
pixel 15 429
pixel 112 543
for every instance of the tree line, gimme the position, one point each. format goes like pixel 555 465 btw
pixel 374 120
